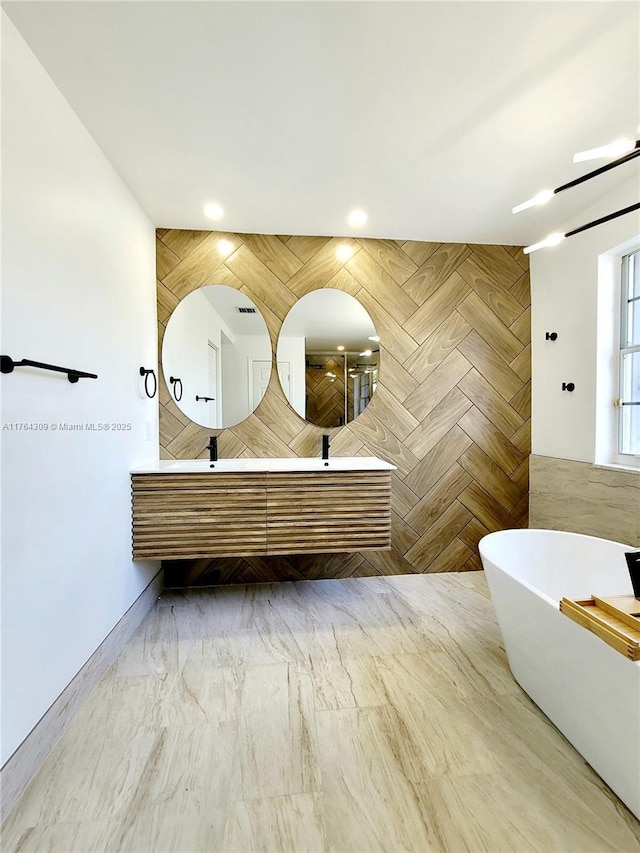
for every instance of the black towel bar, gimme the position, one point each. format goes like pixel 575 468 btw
pixel 7 365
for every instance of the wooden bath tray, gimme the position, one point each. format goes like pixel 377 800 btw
pixel 612 619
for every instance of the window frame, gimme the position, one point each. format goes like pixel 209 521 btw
pixel 623 349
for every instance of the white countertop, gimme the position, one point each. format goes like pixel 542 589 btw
pixel 247 466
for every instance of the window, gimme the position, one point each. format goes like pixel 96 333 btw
pixel 629 390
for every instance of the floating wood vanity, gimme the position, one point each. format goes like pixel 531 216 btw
pixel 248 507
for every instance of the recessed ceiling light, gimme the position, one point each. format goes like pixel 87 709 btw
pixel 357 218
pixel 366 352
pixel 213 210
pixel 340 348
pixel 375 338
pixel 344 251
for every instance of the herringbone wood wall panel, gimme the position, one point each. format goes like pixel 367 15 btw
pixel 325 397
pixel 452 408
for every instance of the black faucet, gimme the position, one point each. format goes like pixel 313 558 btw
pixel 212 447
pixel 325 446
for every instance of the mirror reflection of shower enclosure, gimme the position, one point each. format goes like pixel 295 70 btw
pixel 328 350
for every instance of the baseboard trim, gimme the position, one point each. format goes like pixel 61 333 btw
pixel 22 766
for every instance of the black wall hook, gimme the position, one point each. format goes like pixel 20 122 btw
pixel 7 365
pixel 146 373
pixel 568 386
pixel 205 399
pixel 175 382
pixel 551 336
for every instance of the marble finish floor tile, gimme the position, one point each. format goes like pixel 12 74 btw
pixel 289 824
pixel 354 715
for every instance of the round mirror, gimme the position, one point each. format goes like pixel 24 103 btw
pixel 328 357
pixel 216 356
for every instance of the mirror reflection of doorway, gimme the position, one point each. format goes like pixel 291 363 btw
pixel 284 375
pixel 214 405
pixel 261 372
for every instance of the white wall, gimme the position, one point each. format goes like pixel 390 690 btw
pixel 185 354
pixel 79 291
pixel 291 349
pixel 236 377
pixel 564 296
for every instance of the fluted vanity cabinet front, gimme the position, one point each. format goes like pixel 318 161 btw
pixel 241 507
pixel 186 516
pixel 326 512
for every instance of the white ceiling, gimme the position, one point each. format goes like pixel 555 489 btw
pixel 226 301
pixel 329 318
pixel 435 117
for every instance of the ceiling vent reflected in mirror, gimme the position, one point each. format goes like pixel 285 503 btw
pixel 322 365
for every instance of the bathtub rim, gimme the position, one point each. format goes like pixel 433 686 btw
pixel 526 532
pixel 554 603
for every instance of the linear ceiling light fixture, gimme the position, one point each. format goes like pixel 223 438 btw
pixel 546 195
pixel 613 150
pixel 554 239
pixel 623 150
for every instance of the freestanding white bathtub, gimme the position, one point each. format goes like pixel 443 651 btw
pixel 588 690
